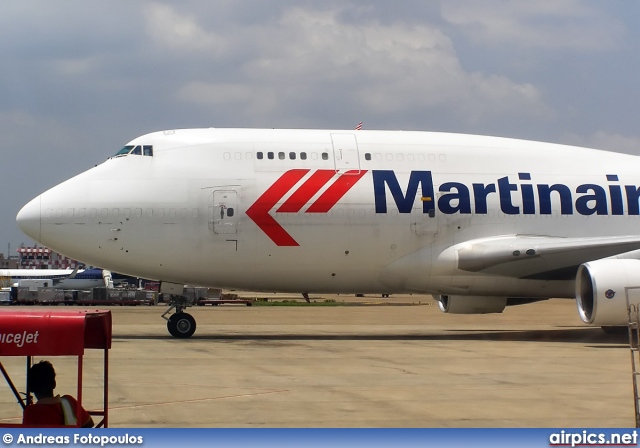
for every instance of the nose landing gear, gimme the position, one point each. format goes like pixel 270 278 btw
pixel 180 324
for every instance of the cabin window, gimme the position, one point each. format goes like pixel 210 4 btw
pixel 230 212
pixel 303 156
pixel 292 155
pixel 281 155
pixel 367 156
pixel 270 155
pixel 259 155
pixel 325 156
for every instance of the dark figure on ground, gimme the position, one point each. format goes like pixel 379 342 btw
pixel 51 410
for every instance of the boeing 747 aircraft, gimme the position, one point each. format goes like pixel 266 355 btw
pixel 479 222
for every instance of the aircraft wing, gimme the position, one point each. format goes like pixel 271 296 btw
pixel 539 257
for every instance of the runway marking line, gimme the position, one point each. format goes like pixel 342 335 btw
pixel 197 400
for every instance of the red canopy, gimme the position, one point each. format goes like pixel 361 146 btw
pixel 53 333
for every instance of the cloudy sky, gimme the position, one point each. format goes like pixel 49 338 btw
pixel 78 79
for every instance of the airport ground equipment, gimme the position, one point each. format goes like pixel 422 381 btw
pixel 47 334
pixel 93 297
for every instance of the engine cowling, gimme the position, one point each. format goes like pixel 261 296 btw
pixel 605 289
pixel 471 304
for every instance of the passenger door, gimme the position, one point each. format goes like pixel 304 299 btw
pixel 345 153
pixel 223 212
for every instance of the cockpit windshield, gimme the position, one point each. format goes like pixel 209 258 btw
pixel 139 150
pixel 124 151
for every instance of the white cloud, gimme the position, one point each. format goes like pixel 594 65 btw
pixel 314 55
pixel 556 24
pixel 180 32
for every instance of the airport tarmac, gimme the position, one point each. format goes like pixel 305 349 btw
pixel 395 362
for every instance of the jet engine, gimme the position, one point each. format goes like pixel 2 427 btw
pixel 605 289
pixel 471 304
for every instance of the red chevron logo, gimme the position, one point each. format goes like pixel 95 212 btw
pixel 259 210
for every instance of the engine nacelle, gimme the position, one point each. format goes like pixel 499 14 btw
pixel 605 289
pixel 471 304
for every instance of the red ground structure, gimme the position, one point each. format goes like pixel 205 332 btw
pixel 56 333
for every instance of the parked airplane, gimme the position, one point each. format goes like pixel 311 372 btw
pixel 47 277
pixel 480 222
pixel 57 278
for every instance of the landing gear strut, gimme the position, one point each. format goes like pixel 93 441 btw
pixel 180 324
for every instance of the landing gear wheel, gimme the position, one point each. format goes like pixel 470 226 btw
pixel 181 325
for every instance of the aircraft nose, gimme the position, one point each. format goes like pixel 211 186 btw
pixel 29 218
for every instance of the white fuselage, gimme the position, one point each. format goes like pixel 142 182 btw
pixel 333 211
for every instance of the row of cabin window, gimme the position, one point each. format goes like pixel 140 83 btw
pixel 367 156
pixel 292 155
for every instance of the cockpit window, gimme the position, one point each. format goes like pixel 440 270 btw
pixel 124 151
pixel 139 150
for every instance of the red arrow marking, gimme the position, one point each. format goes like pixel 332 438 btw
pixel 303 194
pixel 259 211
pixel 334 193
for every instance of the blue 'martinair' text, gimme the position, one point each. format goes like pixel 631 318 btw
pixel 516 197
